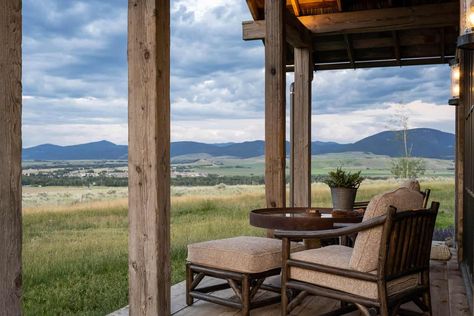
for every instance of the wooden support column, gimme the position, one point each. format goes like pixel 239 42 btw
pixel 464 85
pixel 301 136
pixel 10 157
pixel 459 187
pixel 275 107
pixel 149 156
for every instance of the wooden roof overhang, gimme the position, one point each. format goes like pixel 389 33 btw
pixel 350 34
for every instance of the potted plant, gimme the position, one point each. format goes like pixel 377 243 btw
pixel 344 187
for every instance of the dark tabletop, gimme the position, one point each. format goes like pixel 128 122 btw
pixel 299 218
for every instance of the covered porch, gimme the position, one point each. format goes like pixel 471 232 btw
pixel 302 37
pixel 447 290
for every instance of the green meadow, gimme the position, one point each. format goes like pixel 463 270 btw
pixel 75 253
pixel 371 165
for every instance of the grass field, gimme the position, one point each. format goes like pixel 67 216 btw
pixel 75 253
pixel 370 164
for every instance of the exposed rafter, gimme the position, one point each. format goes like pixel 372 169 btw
pixel 431 15
pixel 393 19
pixel 375 64
pixel 296 33
pixel 406 39
pixel 296 7
pixel 396 46
pixel 253 8
pixel 442 44
pixel 350 50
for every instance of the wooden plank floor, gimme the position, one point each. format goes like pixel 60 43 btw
pixel 447 291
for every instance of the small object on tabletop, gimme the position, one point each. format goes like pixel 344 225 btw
pixel 339 213
pixel 313 212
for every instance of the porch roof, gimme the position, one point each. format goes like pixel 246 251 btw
pixel 345 34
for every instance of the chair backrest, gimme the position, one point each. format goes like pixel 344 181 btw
pixel 426 195
pixel 367 244
pixel 406 242
pixel 411 184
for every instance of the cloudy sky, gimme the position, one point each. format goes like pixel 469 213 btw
pixel 75 79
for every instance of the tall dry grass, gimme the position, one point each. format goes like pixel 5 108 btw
pixel 75 256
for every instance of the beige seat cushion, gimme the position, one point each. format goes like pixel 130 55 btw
pixel 440 251
pixel 367 244
pixel 339 257
pixel 242 254
pixel 411 184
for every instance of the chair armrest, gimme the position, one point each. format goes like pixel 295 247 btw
pixel 366 276
pixel 330 233
pixel 342 225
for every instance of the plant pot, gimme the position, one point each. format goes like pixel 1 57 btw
pixel 343 198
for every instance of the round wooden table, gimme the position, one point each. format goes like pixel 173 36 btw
pixel 299 218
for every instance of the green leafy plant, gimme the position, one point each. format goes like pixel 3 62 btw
pixel 343 179
pixel 408 167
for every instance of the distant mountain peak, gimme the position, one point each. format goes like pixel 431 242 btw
pixel 425 142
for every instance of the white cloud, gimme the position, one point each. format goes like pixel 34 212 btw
pixel 352 126
pixel 75 79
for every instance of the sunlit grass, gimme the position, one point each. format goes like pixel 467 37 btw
pixel 75 256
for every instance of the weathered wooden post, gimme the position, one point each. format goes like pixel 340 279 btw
pixel 10 157
pixel 275 103
pixel 149 156
pixel 301 138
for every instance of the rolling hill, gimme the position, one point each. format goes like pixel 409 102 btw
pixel 423 142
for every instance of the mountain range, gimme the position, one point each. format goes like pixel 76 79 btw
pixel 422 142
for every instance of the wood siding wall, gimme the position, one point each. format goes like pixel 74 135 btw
pixel 10 157
pixel 466 225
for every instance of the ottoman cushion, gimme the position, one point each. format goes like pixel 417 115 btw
pixel 241 254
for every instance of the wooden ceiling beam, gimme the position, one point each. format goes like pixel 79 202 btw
pixel 378 20
pixel 396 45
pixel 350 50
pixel 366 21
pixel 296 7
pixel 297 35
pixel 253 8
pixel 381 63
pixel 374 64
pixel 442 44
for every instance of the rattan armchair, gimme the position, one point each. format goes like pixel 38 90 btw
pixel 401 275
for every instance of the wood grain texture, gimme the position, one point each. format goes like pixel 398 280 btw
pixel 10 157
pixel 301 142
pixel 378 20
pixel 366 21
pixel 297 35
pixel 296 7
pixel 253 8
pixel 275 103
pixel 149 156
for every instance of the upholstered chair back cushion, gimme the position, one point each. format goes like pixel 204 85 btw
pixel 411 184
pixel 367 245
